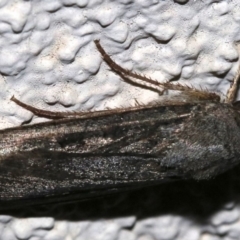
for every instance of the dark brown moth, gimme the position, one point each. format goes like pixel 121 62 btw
pixel 85 154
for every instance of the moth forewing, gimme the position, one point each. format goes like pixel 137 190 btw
pixel 117 149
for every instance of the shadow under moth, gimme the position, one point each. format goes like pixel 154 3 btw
pixel 80 155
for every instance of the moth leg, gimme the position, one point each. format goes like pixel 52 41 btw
pixel 232 91
pixel 62 115
pixel 79 115
pixel 127 74
pixel 41 112
pixel 150 87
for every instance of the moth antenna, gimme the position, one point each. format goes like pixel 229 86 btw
pixel 125 74
pixel 120 70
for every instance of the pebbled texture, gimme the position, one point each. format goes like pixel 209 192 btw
pixel 52 62
pixel 47 59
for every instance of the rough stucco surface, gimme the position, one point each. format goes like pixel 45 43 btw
pixel 48 59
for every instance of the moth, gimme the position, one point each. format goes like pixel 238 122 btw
pixel 80 155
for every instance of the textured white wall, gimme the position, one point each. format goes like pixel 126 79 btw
pixel 48 59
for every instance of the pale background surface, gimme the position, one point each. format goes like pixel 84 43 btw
pixel 48 59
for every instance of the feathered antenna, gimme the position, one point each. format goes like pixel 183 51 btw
pixel 125 74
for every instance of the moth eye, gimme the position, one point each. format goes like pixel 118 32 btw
pixel 236 105
pixel 175 177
